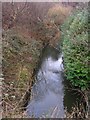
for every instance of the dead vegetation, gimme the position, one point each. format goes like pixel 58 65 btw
pixel 26 30
pixel 19 60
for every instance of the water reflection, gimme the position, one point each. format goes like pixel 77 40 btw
pixel 48 92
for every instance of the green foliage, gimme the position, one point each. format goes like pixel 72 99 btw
pixel 75 49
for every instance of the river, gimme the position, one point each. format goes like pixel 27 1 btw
pixel 48 94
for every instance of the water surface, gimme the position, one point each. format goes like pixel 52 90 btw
pixel 47 97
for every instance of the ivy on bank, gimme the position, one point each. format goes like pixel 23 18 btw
pixel 76 49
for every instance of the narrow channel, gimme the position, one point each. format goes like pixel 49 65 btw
pixel 47 94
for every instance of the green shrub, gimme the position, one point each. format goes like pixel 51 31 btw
pixel 75 49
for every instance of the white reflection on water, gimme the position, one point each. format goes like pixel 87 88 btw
pixel 48 91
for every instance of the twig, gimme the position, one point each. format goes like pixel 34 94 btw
pixel 22 98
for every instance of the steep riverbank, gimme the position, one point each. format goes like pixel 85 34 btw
pixel 20 57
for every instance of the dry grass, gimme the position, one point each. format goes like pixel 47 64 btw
pixel 59 13
pixel 20 58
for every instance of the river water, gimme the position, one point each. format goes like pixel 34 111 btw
pixel 48 93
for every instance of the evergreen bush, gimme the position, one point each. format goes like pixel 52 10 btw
pixel 76 49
